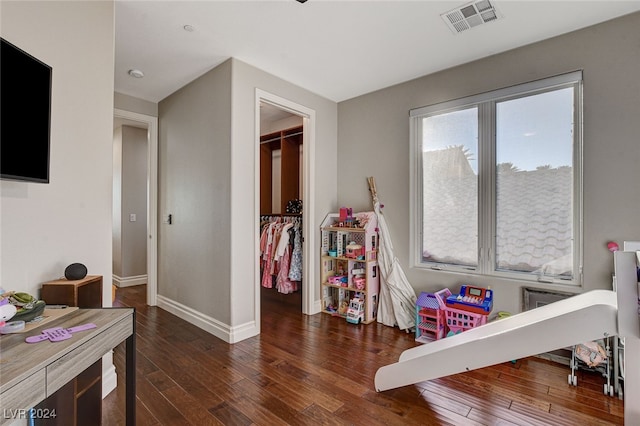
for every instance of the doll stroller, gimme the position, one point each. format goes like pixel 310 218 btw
pixel 592 356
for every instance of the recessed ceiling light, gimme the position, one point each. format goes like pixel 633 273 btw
pixel 136 73
pixel 189 28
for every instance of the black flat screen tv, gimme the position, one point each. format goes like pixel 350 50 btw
pixel 25 115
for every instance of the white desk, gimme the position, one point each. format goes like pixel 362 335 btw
pixel 31 372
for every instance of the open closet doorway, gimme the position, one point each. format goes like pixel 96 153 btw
pixel 135 177
pixel 281 213
pixel 284 147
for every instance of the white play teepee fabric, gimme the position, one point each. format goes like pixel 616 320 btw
pixel 397 302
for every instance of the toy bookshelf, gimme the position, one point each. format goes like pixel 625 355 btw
pixel 430 316
pixel 348 264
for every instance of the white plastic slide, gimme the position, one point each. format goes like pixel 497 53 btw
pixel 572 321
pixel 585 317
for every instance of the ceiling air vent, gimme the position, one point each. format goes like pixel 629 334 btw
pixel 470 15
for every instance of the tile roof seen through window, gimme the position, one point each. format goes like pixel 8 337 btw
pixel 533 207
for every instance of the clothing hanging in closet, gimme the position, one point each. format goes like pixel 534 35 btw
pixel 281 253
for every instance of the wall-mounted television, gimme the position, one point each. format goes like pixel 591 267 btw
pixel 25 115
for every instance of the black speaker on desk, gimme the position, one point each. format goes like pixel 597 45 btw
pixel 75 271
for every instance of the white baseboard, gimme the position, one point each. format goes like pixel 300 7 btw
pixel 109 376
pixel 220 330
pixel 129 281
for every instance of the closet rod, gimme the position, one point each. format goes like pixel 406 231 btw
pixel 280 137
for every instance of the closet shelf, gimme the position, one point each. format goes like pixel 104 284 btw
pixel 288 142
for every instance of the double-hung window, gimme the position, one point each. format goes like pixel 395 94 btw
pixel 496 182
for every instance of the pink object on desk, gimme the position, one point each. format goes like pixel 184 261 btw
pixel 58 334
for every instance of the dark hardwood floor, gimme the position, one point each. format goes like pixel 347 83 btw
pixel 319 369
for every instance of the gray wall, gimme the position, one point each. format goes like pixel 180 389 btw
pixel 195 188
pixel 244 230
pixel 116 228
pixel 134 201
pixel 130 103
pixel 275 126
pixel 376 126
pixel 129 197
pixel 208 183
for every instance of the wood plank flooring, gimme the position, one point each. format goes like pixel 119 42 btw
pixel 312 370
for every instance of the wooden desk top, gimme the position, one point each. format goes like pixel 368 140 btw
pixel 29 371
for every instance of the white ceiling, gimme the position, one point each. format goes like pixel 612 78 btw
pixel 336 49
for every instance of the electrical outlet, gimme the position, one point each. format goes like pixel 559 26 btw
pixel 132 217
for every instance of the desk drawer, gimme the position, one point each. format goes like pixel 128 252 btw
pixel 22 396
pixel 75 362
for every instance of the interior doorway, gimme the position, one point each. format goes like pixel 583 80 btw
pixel 149 126
pixel 268 108
pixel 281 201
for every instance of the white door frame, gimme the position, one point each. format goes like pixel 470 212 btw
pixel 152 197
pixel 308 154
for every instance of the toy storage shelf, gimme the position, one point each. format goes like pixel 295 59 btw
pixel 354 276
pixel 430 316
pixel 428 329
pixel 346 288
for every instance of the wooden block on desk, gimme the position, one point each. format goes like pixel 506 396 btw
pixel 84 293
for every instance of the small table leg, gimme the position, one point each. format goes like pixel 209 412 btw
pixel 130 373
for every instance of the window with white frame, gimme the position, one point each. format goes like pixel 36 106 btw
pixel 496 182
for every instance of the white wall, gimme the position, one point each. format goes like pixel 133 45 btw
pixel 45 227
pixel 376 126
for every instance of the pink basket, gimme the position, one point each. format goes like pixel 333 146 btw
pixel 459 320
pixel 441 297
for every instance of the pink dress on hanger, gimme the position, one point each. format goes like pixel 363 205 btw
pixel 283 257
pixel 283 283
pixel 267 255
